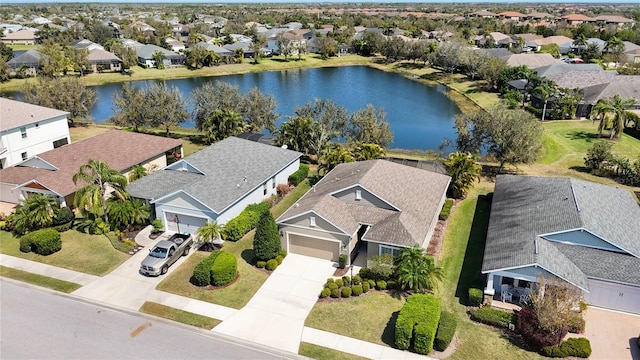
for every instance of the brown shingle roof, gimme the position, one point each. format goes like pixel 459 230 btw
pixel 576 17
pixel 119 149
pixel 532 60
pixel 14 114
pixel 511 14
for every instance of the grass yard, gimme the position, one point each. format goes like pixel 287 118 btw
pixel 178 315
pixel 291 198
pixel 84 131
pixel 90 254
pixel 39 280
pixel 323 353
pixel 370 317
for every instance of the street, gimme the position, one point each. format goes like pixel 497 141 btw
pixel 38 324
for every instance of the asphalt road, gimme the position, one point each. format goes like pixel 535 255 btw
pixel 41 324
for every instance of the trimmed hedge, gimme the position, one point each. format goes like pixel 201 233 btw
pixel 224 269
pixel 356 290
pixel 446 209
pixel 248 219
pixel 261 264
pixel 365 287
pixel 298 176
pixel 41 242
pixel 381 285
pixel 271 265
pixel 346 292
pixel 335 293
pixel 325 292
pixel 418 320
pixel 202 272
pixel 475 297
pixel 578 347
pixel 25 244
pixel 446 329
pixel 342 261
pixel 493 317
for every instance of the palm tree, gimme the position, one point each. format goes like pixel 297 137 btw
pixel 137 172
pixel 545 90
pixel 615 46
pixel 333 156
pixel 464 171
pixel 580 43
pixel 296 133
pixel 139 212
pixel 98 177
pixel 119 212
pixel 617 107
pixel 417 271
pixel 210 232
pixel 35 212
pixel 157 57
pixel 223 123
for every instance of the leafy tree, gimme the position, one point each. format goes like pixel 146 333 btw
pixel 566 103
pixel 130 107
pixel 137 172
pixel 394 48
pixel 511 73
pixel 333 156
pixel 126 54
pixel 172 111
pixel 196 57
pixel 215 96
pixel 552 49
pixel 329 122
pixel 100 33
pixel 266 242
pixel 55 59
pixel 367 151
pixel 369 44
pixel 259 111
pixel 592 52
pixel 158 58
pixel 448 56
pixel 6 52
pixel 222 124
pixel 296 134
pixel 464 171
pixel 616 107
pixel 98 177
pixel 66 94
pixel 417 271
pixel 615 47
pixel 369 126
pixel 285 46
pixel 598 156
pixel 327 47
pixel 491 69
pixel 5 71
pixel 35 212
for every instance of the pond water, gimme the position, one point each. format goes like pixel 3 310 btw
pixel 420 116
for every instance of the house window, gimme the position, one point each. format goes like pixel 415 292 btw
pixel 273 182
pixel 312 221
pixel 23 132
pixel 358 194
pixel 393 251
pixel 58 143
pixel 264 189
pixel 24 155
pixel 507 281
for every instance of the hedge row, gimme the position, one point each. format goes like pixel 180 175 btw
pixel 299 176
pixel 475 297
pixel 578 347
pixel 493 317
pixel 418 320
pixel 446 209
pixel 41 242
pixel 219 268
pixel 202 272
pixel 446 329
pixel 240 225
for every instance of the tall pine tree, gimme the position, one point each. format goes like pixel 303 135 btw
pixel 266 242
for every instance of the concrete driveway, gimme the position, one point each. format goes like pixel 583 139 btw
pixel 613 335
pixel 275 315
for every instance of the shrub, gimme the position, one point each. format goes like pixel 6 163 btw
pixel 261 264
pixel 266 242
pixel 335 293
pixel 44 241
pixel 283 189
pixel 598 156
pixel 157 225
pixel 25 243
pixel 224 269
pixel 475 297
pixel 298 176
pixel 493 317
pixel 340 282
pixel 346 292
pixel 533 334
pixel 342 261
pixel 202 272
pixel 357 280
pixel 279 259
pixel 64 216
pixel 283 253
pixel 325 292
pixel 248 219
pixel 365 286
pixel 446 209
pixel 381 285
pixel 446 330
pixel 346 279
pixel 331 280
pixel 332 286
pixel 271 264
pixel 578 347
pixel 418 320
pixel 576 324
pixel 392 285
pixel 356 290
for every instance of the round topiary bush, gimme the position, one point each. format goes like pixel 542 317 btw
pixel 346 280
pixel 271 264
pixel 365 286
pixel 335 293
pixel 356 290
pixel 346 292
pixel 381 285
pixel 332 286
pixel 340 282
pixel 325 292
pixel 279 259
pixel 283 253
pixel 475 297
pixel 45 241
pixel 261 264
pixel 357 280
pixel 372 283
pixel 224 269
pixel 202 272
pixel 25 243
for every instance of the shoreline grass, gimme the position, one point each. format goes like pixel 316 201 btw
pixel 39 280
pixel 178 315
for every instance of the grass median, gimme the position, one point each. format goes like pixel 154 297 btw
pixel 39 280
pixel 178 315
pixel 323 353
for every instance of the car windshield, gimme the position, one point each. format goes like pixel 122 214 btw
pixel 159 252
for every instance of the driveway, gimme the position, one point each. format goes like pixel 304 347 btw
pixel 612 334
pixel 275 315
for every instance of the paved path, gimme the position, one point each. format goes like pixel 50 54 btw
pixel 47 270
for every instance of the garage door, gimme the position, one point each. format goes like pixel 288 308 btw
pixel 318 248
pixel 613 296
pixel 183 223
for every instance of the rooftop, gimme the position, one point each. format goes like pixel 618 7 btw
pixel 14 114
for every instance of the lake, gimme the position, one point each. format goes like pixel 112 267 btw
pixel 420 116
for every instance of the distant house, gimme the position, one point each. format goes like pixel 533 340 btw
pixel 169 58
pixel 102 60
pixel 27 63
pixel 531 60
pixel 483 14
pixel 176 45
pixel 27 130
pixel 86 44
pixel 616 20
pixel 511 15
pixel 575 19
pixel 241 47
pixel 294 42
pixel 583 233
pixel 20 37
pixel 215 183
pixel 51 172
pixel 224 54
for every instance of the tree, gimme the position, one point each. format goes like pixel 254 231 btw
pixel 6 52
pixel 464 171
pixel 266 242
pixel 35 212
pixel 511 136
pixel 598 156
pixel 617 108
pixel 54 60
pixel 327 47
pixel 580 43
pixel 511 73
pixel 210 233
pixel 98 177
pixel 5 71
pixel 592 52
pixel 285 46
pixel 66 94
pixel 137 172
pixel 544 89
pixel 364 151
pixel 158 58
pixel 369 126
pixel 258 110
pixel 222 124
pixel 615 47
pixel 333 156
pixel 124 213
pixel 394 48
pixel 553 49
pixel 448 56
pixel 173 111
pixel 100 33
pixel 130 107
pixel 329 122
pixel 490 69
pixel 416 270
pixel 296 134
pixel 215 96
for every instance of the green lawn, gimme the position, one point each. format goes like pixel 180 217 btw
pixel 39 280
pixel 370 317
pixel 91 254
pixel 178 315
pixel 323 353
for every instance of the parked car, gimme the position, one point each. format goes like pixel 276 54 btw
pixel 165 253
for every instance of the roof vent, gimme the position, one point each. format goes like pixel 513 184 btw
pixel 245 179
pixel 237 185
pixel 535 244
pixel 337 178
pixel 573 192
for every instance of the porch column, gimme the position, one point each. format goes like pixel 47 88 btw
pixel 489 290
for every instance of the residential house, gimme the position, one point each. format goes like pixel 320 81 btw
pixel 176 45
pixel 483 14
pixel 241 47
pixel 574 19
pixel 27 130
pixel 51 172
pixel 224 54
pixel 41 20
pixel 295 42
pixel 215 183
pixel 169 58
pixel 86 44
pixel 585 234
pixel 531 60
pixel 102 60
pixel 615 20
pixel 511 15
pixel 26 64
pixel 369 208
pixel 20 37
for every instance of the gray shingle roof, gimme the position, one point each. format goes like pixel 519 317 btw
pixel 417 193
pixel 545 71
pixel 525 208
pixel 597 263
pixel 225 165
pixel 147 51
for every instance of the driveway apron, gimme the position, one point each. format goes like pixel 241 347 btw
pixel 275 315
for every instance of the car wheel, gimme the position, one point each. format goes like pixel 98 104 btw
pixel 164 269
pixel 186 251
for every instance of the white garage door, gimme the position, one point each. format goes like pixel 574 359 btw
pixel 613 296
pixel 314 247
pixel 183 223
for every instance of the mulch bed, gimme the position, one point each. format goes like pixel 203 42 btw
pixel 133 233
pixel 435 244
pixel 341 272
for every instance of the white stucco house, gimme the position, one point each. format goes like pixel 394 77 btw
pixel 27 130
pixel 584 233
pixel 215 183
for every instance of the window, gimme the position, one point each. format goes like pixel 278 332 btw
pixel 507 281
pixel 23 132
pixel 273 182
pixel 24 155
pixel 264 189
pixel 312 221
pixel 393 251
pixel 58 143
pixel 358 194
